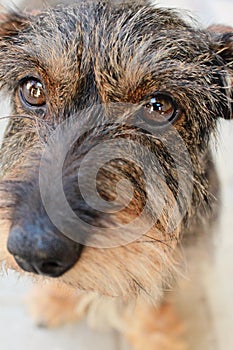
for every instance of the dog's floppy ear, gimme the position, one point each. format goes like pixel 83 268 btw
pixel 11 24
pixel 223 47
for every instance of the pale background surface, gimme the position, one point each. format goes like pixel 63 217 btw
pixel 205 297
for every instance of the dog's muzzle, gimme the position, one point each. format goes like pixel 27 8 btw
pixel 45 253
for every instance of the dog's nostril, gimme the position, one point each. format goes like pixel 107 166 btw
pixel 50 267
pixel 47 268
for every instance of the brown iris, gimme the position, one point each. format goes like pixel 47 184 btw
pixel 32 92
pixel 161 109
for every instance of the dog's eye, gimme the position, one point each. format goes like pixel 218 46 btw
pixel 161 109
pixel 32 93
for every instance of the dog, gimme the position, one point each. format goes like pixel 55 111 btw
pixel 106 168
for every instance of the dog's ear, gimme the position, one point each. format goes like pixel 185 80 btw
pixel 11 24
pixel 223 47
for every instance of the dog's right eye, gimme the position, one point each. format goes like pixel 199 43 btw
pixel 32 93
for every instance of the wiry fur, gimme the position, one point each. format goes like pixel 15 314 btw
pixel 101 53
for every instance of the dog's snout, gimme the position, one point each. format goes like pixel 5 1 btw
pixel 38 251
pixel 50 268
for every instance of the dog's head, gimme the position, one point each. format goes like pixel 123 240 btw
pixel 106 156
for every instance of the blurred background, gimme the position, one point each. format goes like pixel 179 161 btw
pixel 204 296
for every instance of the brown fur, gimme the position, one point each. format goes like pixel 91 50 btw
pixel 113 54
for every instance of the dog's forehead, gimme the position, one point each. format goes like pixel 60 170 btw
pixel 114 45
pixel 61 33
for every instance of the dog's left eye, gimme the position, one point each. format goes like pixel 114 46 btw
pixel 161 109
pixel 32 93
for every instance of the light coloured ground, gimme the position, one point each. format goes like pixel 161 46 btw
pixel 205 296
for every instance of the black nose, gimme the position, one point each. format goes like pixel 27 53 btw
pixel 42 251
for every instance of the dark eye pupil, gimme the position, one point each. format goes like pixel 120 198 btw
pixel 155 106
pixel 34 90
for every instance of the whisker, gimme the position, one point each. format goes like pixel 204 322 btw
pixel 16 116
pixel 155 240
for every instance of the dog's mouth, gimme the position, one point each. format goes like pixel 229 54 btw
pixel 37 252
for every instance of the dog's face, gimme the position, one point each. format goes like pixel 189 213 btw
pixel 116 103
